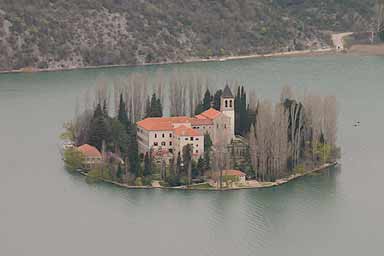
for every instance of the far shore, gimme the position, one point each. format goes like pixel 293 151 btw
pixel 251 184
pixel 312 52
pixel 367 49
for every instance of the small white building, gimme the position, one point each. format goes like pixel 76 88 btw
pixel 92 156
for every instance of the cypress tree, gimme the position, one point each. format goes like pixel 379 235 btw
pixel 99 130
pixel 200 166
pixel 217 99
pixel 122 115
pixel 207 100
pixel 147 165
pixel 243 112
pixel 133 153
pixel 119 173
pixel 155 107
pixel 148 108
pixel 237 112
pixel 199 109
pixel 159 108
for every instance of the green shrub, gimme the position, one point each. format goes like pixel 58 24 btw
pixel 147 181
pixel 139 181
pixel 73 159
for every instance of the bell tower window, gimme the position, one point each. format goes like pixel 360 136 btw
pixel 226 103
pixel 230 103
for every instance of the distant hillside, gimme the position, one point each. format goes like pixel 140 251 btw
pixel 76 33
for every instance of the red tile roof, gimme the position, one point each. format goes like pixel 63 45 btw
pixel 186 131
pixel 89 151
pixel 233 173
pixel 205 121
pixel 162 123
pixel 210 114
pixel 167 123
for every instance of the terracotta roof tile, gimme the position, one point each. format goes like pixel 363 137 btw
pixel 211 113
pixel 205 121
pixel 89 151
pixel 233 173
pixel 186 131
pixel 162 123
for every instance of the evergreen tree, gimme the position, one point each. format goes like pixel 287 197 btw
pixel 159 108
pixel 207 151
pixel 122 115
pixel 119 173
pixel 178 164
pixel 99 129
pixel 237 112
pixel 207 100
pixel 155 107
pixel 147 165
pixel 217 99
pixel 199 109
pixel 200 167
pixel 207 142
pixel 105 108
pixel 187 159
pixel 133 153
pixel 148 108
pixel 119 137
pixel 241 112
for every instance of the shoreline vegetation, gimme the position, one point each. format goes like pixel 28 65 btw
pixel 271 142
pixel 251 184
pixel 341 45
pixel 310 52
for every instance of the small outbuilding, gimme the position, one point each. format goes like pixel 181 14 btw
pixel 92 156
pixel 232 176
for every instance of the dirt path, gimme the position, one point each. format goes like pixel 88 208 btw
pixel 338 40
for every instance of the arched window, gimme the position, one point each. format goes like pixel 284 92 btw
pixel 230 103
pixel 226 103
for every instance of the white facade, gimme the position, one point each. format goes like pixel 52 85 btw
pixel 170 134
pixel 197 143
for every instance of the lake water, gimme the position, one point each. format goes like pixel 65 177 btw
pixel 46 211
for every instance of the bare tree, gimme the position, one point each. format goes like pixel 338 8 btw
pixel 379 16
pixel 330 120
pixel 263 137
pixel 286 94
pixel 279 143
pixel 136 88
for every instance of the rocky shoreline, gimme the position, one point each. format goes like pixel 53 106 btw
pixel 190 60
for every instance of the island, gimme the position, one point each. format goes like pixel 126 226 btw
pixel 217 140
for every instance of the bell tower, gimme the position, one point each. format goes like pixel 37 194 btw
pixel 227 107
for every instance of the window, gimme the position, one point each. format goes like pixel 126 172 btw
pixel 226 103
pixel 217 126
pixel 155 144
pixel 197 151
pixel 170 143
pixel 155 135
pixel 230 103
pixel 186 138
pixel 196 138
pixel 163 143
pixel 191 138
pixel 197 145
pixel 170 135
pixel 225 126
pixel 163 135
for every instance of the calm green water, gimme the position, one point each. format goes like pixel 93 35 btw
pixel 46 211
